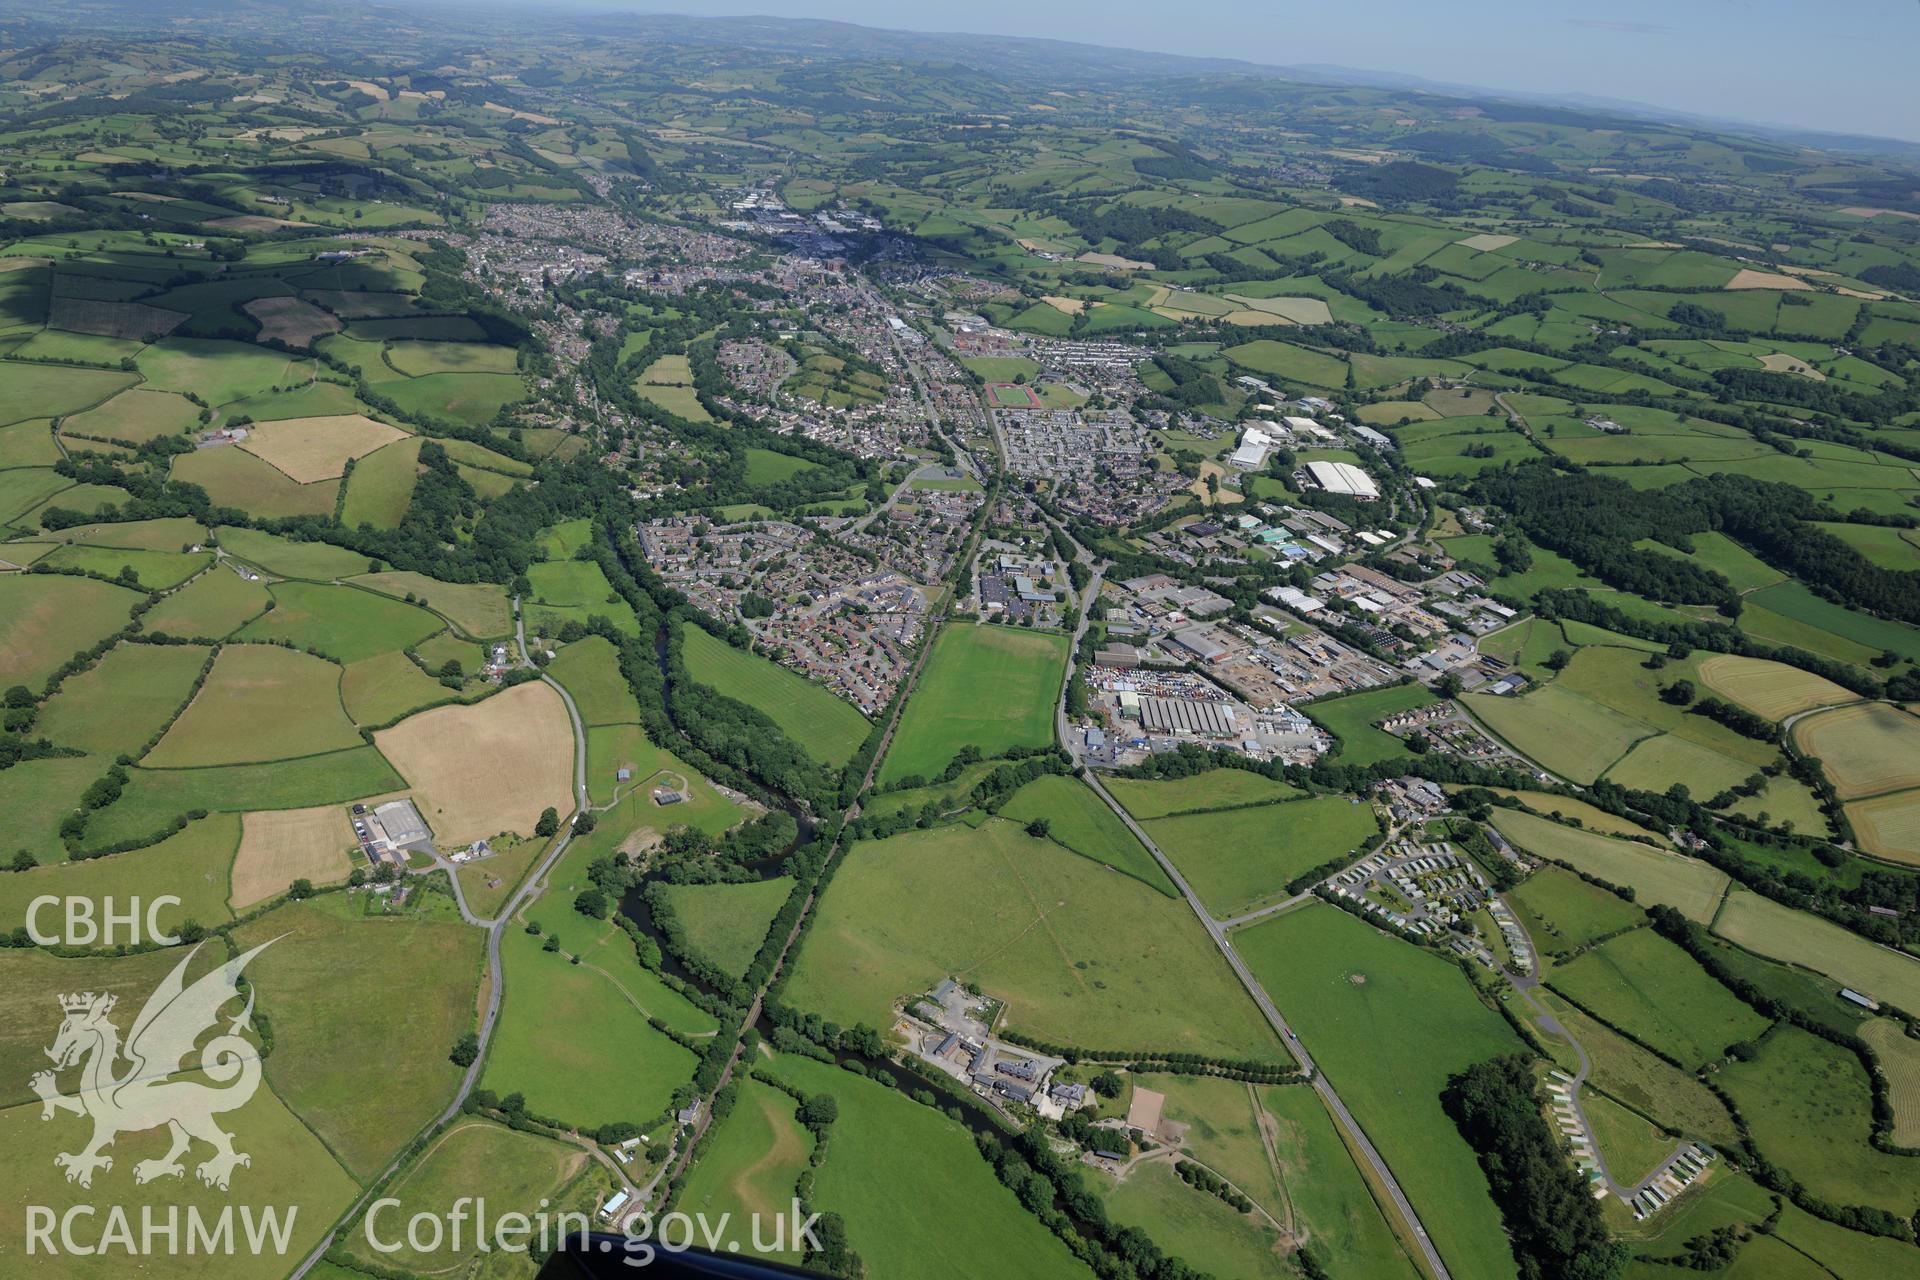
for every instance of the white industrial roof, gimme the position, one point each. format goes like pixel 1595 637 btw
pixel 1342 477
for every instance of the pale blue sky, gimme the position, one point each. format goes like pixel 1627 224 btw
pixel 1844 65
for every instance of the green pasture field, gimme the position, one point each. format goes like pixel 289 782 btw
pixel 1654 991
pixel 573 1044
pixel 1351 718
pixel 233 477
pixel 1080 955
pixel 37 795
pixel 1146 798
pixel 900 1174
pixel 1796 938
pixel 1238 859
pixel 114 707
pixel 1389 1024
pixel 381 486
pixel 1887 547
pixel 1592 817
pixel 1080 820
pixel 345 623
pixel 436 651
pixel 287 558
pixel 1852 1255
pixel 1633 1146
pixel 589 668
pixel 426 328
pixel 53 390
pixel 1657 763
pixel 749 1167
pixel 573 590
pixel 514 1171
pixel 1809 1107
pixel 418 358
pixel 947 711
pixel 765 466
pixel 944 796
pixel 1563 731
pixel 174 533
pixel 211 607
pixel 46 619
pixel 1631 1075
pixel 260 702
pixel 478 609
pixel 220 371
pixel 830 728
pixel 25 488
pixel 193 865
pixel 560 541
pixel 1194 1226
pixel 1284 360
pixel 1716 551
pixel 469 454
pixel 155 797
pixel 472 398
pixel 381 689
pixel 728 922
pixel 1562 912
pixel 28 444
pixel 289 1170
pixel 137 415
pixel 154 570
pixel 366 1104
pixel 1794 601
pixel 611 746
pixel 1658 877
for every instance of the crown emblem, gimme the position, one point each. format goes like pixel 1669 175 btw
pixel 86 1000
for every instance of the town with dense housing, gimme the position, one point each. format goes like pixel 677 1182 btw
pixel 1144 668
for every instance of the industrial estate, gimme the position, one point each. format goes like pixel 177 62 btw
pixel 1095 664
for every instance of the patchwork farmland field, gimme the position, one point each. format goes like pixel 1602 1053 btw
pixel 478 771
pixel 947 712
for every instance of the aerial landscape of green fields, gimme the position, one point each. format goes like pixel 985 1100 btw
pixel 923 652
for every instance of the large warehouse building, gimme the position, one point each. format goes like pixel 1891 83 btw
pixel 1343 478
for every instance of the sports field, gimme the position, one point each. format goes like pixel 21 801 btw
pixel 44 620
pixel 1865 749
pixel 1080 955
pixel 1389 1024
pixel 1653 990
pixel 1770 689
pixel 947 710
pixel 829 727
pixel 901 1174
pixel 260 702
pixel 1081 820
pixel 279 846
pixel 364 1080
pixel 1795 937
pixel 1216 789
pixel 573 1043
pixel 1011 395
pixel 1663 878
pixel 480 770
pixel 1238 859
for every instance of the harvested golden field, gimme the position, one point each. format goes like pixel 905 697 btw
pixel 1747 278
pixel 306 450
pixel 1771 689
pixel 1900 1061
pixel 478 771
pixel 1889 826
pixel 1866 749
pixel 294 321
pixel 284 845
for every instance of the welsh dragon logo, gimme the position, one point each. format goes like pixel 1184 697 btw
pixel 153 1089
